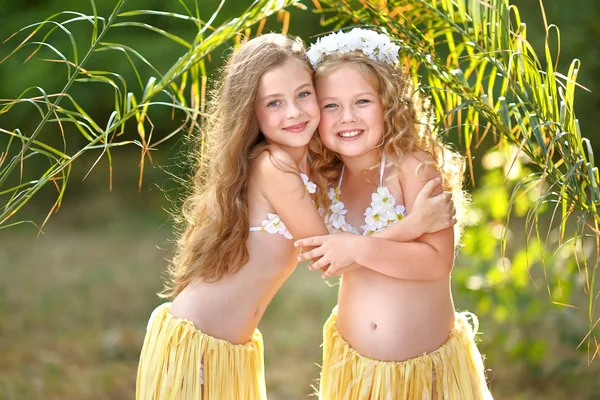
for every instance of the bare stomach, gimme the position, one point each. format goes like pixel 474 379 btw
pixel 393 320
pixel 232 307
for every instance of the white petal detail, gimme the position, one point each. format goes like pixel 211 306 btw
pixel 310 187
pixel 376 46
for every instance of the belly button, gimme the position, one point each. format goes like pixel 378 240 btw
pixel 373 325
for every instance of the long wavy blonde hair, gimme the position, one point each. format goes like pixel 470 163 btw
pixel 408 121
pixel 214 216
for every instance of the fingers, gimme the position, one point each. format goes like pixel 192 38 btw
pixel 446 201
pixel 332 271
pixel 451 213
pixel 329 272
pixel 430 186
pixel 309 255
pixel 310 241
pixel 451 208
pixel 446 196
pixel 319 264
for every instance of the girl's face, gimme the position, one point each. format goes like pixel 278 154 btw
pixel 287 109
pixel 351 113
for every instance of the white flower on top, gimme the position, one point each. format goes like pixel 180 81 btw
pixel 310 187
pixel 383 211
pixel 400 212
pixel 333 194
pixel 336 216
pixel 376 46
pixel 382 199
pixel 315 54
pixel 273 224
pixel 375 220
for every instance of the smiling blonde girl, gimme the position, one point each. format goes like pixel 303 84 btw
pixel 394 333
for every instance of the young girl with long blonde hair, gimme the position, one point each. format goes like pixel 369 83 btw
pixel 394 333
pixel 250 195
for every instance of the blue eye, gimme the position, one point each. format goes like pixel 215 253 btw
pixel 363 101
pixel 332 105
pixel 304 94
pixel 274 103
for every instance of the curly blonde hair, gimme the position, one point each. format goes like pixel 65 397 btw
pixel 214 216
pixel 408 121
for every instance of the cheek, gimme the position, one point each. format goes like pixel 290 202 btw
pixel 379 128
pixel 376 118
pixel 311 108
pixel 265 120
pixel 325 125
pixel 260 118
pixel 315 110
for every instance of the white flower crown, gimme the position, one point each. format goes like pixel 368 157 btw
pixel 376 46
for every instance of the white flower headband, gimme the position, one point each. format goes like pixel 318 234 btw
pixel 376 46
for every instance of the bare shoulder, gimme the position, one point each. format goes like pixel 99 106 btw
pixel 416 169
pixel 419 166
pixel 272 162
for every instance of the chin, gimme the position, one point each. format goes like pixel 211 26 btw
pixel 351 152
pixel 298 143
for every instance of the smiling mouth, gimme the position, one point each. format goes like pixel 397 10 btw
pixel 350 134
pixel 296 128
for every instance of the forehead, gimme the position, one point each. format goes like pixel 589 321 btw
pixel 287 76
pixel 344 80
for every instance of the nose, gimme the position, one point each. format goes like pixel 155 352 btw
pixel 293 110
pixel 347 115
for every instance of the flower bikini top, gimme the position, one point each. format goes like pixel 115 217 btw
pixel 382 213
pixel 274 224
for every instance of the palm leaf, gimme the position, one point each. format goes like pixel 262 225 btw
pixel 181 88
pixel 471 56
pixel 490 68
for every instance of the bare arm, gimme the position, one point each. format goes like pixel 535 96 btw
pixel 432 211
pixel 283 188
pixel 430 257
pixel 424 259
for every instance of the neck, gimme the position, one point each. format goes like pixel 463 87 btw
pixel 358 164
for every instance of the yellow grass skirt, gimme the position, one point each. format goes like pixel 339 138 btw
pixel 452 372
pixel 174 351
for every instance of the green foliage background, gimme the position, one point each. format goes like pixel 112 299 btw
pixel 73 303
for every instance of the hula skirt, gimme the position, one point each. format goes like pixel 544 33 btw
pixel 179 362
pixel 452 372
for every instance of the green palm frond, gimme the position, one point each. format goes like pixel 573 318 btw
pixel 473 59
pixel 180 88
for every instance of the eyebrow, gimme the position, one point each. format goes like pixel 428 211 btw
pixel 356 95
pixel 281 95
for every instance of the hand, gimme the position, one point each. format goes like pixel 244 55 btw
pixel 434 213
pixel 337 253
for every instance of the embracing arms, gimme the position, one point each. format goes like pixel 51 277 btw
pixel 429 257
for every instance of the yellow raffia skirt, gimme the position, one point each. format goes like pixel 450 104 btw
pixel 452 372
pixel 174 352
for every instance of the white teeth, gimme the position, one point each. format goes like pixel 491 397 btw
pixel 349 134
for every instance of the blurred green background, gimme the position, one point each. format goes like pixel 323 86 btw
pixel 74 301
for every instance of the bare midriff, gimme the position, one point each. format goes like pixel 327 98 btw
pixel 232 307
pixel 398 320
